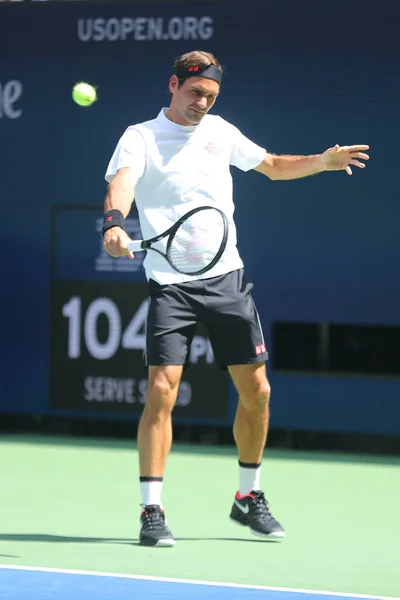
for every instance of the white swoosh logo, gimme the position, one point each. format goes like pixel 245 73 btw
pixel 244 509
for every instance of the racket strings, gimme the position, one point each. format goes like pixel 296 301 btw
pixel 197 241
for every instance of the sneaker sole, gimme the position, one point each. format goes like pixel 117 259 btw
pixel 277 536
pixel 166 543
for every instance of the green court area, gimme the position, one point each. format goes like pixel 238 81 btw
pixel 74 503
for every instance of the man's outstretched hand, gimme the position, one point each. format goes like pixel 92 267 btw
pixel 341 158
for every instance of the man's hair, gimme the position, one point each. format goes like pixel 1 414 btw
pixel 196 57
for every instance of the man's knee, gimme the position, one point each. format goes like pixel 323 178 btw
pixel 262 394
pixel 162 390
pixel 257 396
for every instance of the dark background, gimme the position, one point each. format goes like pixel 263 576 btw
pixel 323 251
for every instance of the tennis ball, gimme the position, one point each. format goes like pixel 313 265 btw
pixel 84 94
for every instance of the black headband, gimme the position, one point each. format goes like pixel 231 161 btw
pixel 210 72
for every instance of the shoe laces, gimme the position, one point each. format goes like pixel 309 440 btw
pixel 153 517
pixel 260 505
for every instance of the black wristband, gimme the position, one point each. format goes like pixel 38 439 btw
pixel 113 218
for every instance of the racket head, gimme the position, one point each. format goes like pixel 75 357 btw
pixel 198 240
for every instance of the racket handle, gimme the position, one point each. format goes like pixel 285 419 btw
pixel 135 246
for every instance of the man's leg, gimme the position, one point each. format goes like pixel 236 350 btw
pixel 154 443
pixel 252 415
pixel 236 335
pixel 155 427
pixel 250 430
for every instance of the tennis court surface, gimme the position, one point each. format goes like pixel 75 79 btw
pixel 69 510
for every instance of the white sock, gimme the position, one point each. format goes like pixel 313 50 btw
pixel 249 478
pixel 150 488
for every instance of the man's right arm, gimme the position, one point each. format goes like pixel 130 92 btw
pixel 120 196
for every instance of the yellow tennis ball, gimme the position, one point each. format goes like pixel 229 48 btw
pixel 84 94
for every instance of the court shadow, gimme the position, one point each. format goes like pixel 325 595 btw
pixel 63 539
pixel 217 539
pixel 225 539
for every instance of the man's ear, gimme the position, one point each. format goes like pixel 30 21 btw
pixel 173 84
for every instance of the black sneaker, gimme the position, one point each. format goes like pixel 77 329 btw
pixel 252 511
pixel 154 530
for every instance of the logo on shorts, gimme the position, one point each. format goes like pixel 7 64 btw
pixel 260 349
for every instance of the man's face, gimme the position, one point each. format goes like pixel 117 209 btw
pixel 193 99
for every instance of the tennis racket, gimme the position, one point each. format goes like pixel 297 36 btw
pixel 194 244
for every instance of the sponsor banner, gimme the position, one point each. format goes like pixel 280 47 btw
pixel 93 23
pixel 98 334
pixel 141 29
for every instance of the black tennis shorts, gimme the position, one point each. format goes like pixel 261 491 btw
pixel 223 304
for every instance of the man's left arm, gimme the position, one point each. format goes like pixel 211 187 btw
pixel 337 158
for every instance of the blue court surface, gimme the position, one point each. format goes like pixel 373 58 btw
pixel 23 583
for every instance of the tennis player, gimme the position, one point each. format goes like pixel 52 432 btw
pixel 171 164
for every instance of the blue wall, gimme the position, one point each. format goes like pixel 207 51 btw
pixel 322 249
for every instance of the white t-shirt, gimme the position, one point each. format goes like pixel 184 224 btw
pixel 181 168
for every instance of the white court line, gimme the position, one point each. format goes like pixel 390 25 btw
pixel 196 582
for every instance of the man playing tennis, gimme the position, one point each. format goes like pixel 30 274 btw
pixel 176 162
